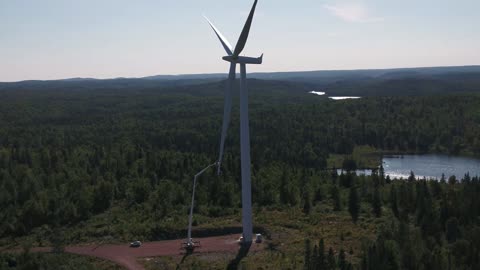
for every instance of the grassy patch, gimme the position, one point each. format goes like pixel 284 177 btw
pixel 364 156
pixel 287 228
pixel 62 261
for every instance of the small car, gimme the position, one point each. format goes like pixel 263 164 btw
pixel 135 244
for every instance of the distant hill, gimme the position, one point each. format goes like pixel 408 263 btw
pixel 407 85
pixel 326 77
pixel 368 82
pixel 120 83
pixel 185 76
pixel 330 75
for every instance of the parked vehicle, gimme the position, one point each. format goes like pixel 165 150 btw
pixel 258 238
pixel 135 244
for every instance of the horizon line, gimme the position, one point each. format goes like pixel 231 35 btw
pixel 224 73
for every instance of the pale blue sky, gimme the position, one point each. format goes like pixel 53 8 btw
pixel 53 39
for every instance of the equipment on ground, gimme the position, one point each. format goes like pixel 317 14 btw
pixel 190 244
pixel 258 238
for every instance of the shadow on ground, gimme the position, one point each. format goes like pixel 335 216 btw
pixel 187 253
pixel 242 253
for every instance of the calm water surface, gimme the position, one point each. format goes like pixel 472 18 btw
pixel 342 98
pixel 317 93
pixel 429 166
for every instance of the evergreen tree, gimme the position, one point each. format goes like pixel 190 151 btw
pixel 308 255
pixel 319 194
pixel 364 262
pixel 314 259
pixel 337 203
pixel 377 202
pixel 342 262
pixel 373 259
pixel 346 179
pixel 354 204
pixel 394 201
pixel 444 210
pixel 349 164
pixel 289 192
pixel 427 216
pixel 452 180
pixel 334 174
pixel 388 180
pixel 284 192
pixel 411 178
pixel 381 174
pixel 452 231
pixel 103 196
pixel 442 179
pixel 375 178
pixel 331 264
pixel 321 256
pixel 307 204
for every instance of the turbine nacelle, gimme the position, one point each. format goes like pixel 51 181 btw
pixel 243 59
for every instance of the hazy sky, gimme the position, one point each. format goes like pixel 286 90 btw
pixel 52 39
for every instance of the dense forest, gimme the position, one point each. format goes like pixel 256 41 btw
pixel 118 164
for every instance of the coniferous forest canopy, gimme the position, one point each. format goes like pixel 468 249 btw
pixel 79 165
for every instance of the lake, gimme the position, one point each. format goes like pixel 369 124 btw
pixel 343 98
pixel 429 166
pixel 319 93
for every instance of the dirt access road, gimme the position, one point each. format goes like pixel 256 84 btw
pixel 127 257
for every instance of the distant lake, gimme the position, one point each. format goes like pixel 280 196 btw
pixel 342 98
pixel 317 93
pixel 429 166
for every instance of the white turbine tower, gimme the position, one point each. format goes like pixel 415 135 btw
pixel 234 58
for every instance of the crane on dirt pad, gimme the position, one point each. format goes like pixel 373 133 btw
pixel 190 245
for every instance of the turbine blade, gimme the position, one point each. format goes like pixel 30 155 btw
pixel 242 40
pixel 226 45
pixel 226 113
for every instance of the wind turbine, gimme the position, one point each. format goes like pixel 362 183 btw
pixel 234 58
